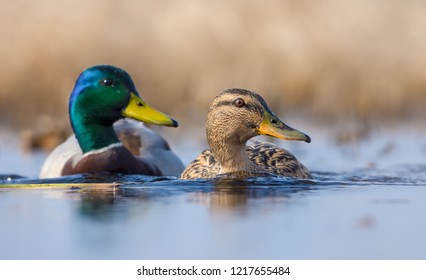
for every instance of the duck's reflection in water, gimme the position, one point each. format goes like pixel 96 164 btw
pixel 219 196
pixel 228 197
pixel 97 202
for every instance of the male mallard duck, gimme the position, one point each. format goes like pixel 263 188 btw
pixel 102 95
pixel 236 116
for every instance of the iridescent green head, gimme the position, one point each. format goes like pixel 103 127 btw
pixel 102 95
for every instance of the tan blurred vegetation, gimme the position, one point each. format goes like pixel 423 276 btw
pixel 327 60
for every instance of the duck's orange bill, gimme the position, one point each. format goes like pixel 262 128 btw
pixel 273 126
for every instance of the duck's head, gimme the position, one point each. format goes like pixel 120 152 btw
pixel 104 94
pixel 237 115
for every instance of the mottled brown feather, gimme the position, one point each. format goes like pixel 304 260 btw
pixel 269 157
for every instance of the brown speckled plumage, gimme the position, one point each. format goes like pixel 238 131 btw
pixel 269 157
pixel 228 129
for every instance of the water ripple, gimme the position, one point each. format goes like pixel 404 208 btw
pixel 320 180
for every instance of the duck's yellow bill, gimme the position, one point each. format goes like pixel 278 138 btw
pixel 273 126
pixel 137 109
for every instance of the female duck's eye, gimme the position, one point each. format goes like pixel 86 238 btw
pixel 107 82
pixel 239 102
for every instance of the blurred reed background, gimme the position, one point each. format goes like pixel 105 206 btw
pixel 329 61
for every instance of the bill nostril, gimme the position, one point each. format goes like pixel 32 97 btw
pixel 139 104
pixel 274 121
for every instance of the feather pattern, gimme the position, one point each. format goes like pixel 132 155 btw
pixel 270 158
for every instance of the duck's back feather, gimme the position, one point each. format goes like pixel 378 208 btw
pixel 276 160
pixel 269 157
pixel 149 145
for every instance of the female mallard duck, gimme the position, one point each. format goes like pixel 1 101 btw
pixel 102 95
pixel 236 116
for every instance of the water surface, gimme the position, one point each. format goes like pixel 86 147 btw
pixel 363 203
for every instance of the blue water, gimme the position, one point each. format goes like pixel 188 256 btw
pixel 366 202
pixel 329 217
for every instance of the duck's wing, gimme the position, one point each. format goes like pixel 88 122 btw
pixel 204 166
pixel 149 146
pixel 276 160
pixel 55 162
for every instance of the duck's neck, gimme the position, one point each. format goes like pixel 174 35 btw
pixel 94 136
pixel 232 156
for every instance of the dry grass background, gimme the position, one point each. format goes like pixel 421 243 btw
pixel 327 60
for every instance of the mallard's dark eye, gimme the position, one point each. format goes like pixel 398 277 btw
pixel 239 102
pixel 107 82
